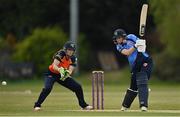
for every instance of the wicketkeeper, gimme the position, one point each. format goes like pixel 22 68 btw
pixel 60 71
pixel 141 67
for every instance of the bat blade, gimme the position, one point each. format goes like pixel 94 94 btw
pixel 143 17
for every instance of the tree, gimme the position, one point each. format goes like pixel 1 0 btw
pixel 39 47
pixel 167 17
pixel 22 16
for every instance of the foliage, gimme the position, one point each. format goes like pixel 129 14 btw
pixel 84 55
pixel 98 19
pixel 2 43
pixel 39 47
pixel 167 67
pixel 22 16
pixel 167 17
pixel 101 18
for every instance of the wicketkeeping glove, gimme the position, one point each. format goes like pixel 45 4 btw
pixel 61 71
pixel 64 73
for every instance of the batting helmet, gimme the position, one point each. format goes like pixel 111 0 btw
pixel 119 33
pixel 70 45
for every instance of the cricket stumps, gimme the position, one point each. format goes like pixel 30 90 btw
pixel 98 90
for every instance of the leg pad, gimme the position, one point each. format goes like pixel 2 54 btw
pixel 142 84
pixel 129 98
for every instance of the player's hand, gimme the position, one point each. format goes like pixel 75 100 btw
pixel 65 74
pixel 140 45
pixel 61 71
pixel 140 42
pixel 141 48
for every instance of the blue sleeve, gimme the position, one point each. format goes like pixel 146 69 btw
pixel 119 47
pixel 132 38
pixel 130 44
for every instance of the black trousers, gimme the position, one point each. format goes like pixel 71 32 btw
pixel 70 83
pixel 139 67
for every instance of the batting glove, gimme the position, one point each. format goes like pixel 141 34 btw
pixel 141 45
pixel 140 42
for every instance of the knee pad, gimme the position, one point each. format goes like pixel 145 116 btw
pixel 129 98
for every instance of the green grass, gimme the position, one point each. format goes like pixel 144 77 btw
pixel 18 97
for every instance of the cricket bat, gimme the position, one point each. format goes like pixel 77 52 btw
pixel 142 25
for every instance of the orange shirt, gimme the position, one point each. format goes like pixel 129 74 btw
pixel 64 61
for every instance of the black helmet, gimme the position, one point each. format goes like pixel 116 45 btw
pixel 119 33
pixel 70 45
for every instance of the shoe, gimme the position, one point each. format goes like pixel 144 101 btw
pixel 88 108
pixel 37 108
pixel 143 108
pixel 124 108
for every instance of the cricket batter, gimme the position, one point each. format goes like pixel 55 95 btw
pixel 141 67
pixel 60 71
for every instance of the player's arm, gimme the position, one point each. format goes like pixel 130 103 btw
pixel 55 64
pixel 61 70
pixel 128 52
pixel 72 65
pixel 71 69
pixel 57 59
